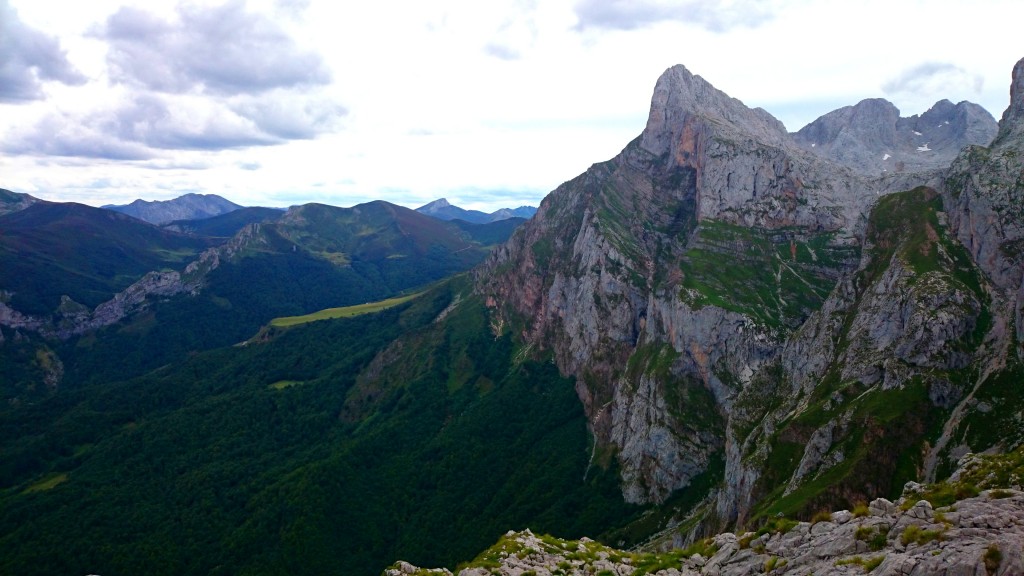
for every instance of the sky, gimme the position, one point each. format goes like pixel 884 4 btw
pixel 488 104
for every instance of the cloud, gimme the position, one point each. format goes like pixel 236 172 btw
pixel 27 58
pixel 934 77
pixel 197 124
pixel 632 15
pixel 59 135
pixel 291 117
pixel 501 51
pixel 225 50
pixel 140 130
pixel 146 124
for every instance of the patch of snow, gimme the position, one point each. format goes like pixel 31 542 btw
pixel 916 132
pixel 924 148
pixel 886 157
pixel 940 125
pixel 946 122
pixel 813 145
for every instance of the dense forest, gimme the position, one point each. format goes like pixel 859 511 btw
pixel 278 458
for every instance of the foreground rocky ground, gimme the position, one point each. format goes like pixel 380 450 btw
pixel 979 535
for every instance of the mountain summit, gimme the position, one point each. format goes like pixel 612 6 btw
pixel 765 373
pixel 444 210
pixel 873 139
pixel 187 207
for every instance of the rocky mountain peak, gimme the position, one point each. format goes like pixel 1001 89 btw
pixel 872 139
pixel 680 96
pixel 435 205
pixel 1012 121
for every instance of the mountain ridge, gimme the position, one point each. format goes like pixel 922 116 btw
pixel 190 206
pixel 603 280
pixel 444 210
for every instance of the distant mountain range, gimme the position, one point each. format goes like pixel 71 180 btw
pixel 196 207
pixel 187 207
pixel 443 210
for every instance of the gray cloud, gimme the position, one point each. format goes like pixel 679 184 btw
pixel 58 135
pixel 151 121
pixel 224 50
pixel 291 117
pixel 931 77
pixel 27 58
pixel 635 14
pixel 139 131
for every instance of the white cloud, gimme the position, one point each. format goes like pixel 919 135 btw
pixel 409 101
pixel 29 57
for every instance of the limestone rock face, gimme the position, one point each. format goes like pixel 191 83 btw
pixel 623 274
pixel 726 292
pixel 1012 123
pixel 872 139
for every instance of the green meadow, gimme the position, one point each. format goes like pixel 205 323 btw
pixel 343 312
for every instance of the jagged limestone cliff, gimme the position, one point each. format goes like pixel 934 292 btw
pixel 723 294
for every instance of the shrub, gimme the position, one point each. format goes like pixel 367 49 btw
pixel 993 557
pixel 915 534
pixel 868 565
pixel 910 534
pixel 821 516
pixel 873 563
pixel 861 510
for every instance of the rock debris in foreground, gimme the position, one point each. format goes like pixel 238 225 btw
pixel 979 536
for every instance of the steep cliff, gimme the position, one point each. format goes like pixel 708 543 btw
pixel 723 293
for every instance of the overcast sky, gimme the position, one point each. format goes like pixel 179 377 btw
pixel 490 104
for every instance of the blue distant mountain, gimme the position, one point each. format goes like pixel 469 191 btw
pixel 443 210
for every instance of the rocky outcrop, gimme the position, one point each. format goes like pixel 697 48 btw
pixel 981 535
pixel 73 319
pixel 13 201
pixel 872 139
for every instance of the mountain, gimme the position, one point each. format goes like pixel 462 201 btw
pixel 69 255
pixel 187 207
pixel 442 210
pixel 808 364
pixel 872 138
pixel 147 296
pixel 717 333
pixel 224 225
pixel 13 201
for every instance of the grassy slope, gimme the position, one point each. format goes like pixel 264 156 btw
pixel 778 277
pixel 344 312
